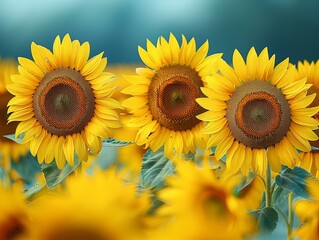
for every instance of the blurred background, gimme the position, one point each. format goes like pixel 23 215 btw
pixel 289 28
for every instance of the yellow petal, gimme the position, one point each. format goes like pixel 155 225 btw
pixel 82 56
pixel 274 159
pixel 35 143
pixel 228 72
pixel 68 149
pixel 91 65
pixel 223 147
pixel 200 55
pixel 252 59
pixel 31 66
pixel 80 147
pixel 239 66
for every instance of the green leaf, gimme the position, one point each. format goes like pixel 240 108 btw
pixel 280 195
pixel 267 219
pixel 54 176
pixel 107 157
pixel 244 184
pixel 12 137
pixel 155 168
pixel 294 180
pixel 32 191
pixel 28 168
pixel 111 142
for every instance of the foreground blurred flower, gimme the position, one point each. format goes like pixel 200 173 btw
pixel 258 113
pixel 14 216
pixel 113 210
pixel 163 105
pixel 8 149
pixel 310 160
pixel 63 101
pixel 200 206
pixel 308 213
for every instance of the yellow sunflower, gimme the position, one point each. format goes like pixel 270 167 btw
pixel 15 223
pixel 63 101
pixel 308 213
pixel 113 210
pixel 9 150
pixel 130 156
pixel 310 160
pixel 200 206
pixel 257 113
pixel 163 105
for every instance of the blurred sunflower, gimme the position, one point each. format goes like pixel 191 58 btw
pixel 113 211
pixel 200 206
pixel 308 213
pixel 131 155
pixel 310 160
pixel 15 223
pixel 257 113
pixel 163 105
pixel 8 149
pixel 63 101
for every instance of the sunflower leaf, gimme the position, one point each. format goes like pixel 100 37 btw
pixel 294 180
pixel 267 219
pixel 155 168
pixel 112 142
pixel 280 195
pixel 53 175
pixel 12 137
pixel 32 191
pixel 27 168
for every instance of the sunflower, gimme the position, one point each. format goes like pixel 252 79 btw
pixel 113 211
pixel 257 113
pixel 9 150
pixel 163 105
pixel 308 213
pixel 200 206
pixel 310 160
pixel 131 155
pixel 63 101
pixel 15 221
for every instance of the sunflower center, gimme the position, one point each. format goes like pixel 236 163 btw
pixel 13 228
pixel 214 201
pixel 63 102
pixel 258 114
pixel 76 233
pixel 172 95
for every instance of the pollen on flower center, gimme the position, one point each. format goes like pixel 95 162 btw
pixel 258 114
pixel 63 102
pixel 172 95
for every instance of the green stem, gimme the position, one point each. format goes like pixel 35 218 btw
pixel 290 216
pixel 269 188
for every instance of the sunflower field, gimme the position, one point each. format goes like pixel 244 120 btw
pixel 183 146
pixel 159 120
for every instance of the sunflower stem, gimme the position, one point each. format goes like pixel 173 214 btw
pixel 269 187
pixel 290 216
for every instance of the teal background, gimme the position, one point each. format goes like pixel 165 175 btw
pixel 288 27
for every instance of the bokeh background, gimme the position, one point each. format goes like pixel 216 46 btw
pixel 289 28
